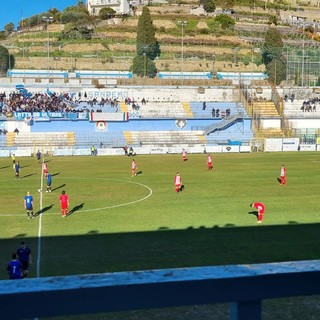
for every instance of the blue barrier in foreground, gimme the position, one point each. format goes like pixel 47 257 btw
pixel 244 286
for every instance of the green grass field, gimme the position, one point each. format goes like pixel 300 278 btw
pixel 121 223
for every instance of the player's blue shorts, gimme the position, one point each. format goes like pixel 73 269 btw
pixel 29 208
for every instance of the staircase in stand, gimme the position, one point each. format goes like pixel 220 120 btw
pixel 264 109
pixel 224 124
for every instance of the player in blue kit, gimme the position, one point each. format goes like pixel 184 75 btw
pixel 24 254
pixel 49 182
pixel 17 169
pixel 28 205
pixel 38 154
pixel 14 267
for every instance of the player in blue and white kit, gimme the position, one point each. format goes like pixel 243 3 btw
pixel 28 205
pixel 14 267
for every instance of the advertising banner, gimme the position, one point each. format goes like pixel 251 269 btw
pixel 109 116
pixel 307 147
pixel 273 145
pixel 290 144
pixel 62 152
pixel 230 149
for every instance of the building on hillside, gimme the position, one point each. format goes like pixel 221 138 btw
pixel 119 6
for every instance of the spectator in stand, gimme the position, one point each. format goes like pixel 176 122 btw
pixel 292 97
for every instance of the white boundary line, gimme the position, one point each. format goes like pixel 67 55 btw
pixel 40 222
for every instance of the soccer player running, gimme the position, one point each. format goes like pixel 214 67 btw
pixel 24 254
pixel 14 268
pixel 177 182
pixel 49 182
pixel 209 162
pixel 64 203
pixel 133 168
pixel 261 209
pixel 28 205
pixel 283 177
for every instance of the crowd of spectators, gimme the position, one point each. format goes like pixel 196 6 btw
pixel 38 102
pixel 95 105
pixel 291 97
pixel 51 102
pixel 310 105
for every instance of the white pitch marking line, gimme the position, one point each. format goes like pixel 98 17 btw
pixel 96 209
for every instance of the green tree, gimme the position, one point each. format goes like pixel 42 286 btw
pixel 2 35
pixel 6 60
pixel 276 70
pixel 75 13
pixel 225 21
pixel 273 20
pixel 78 30
pixel 273 58
pixel 273 45
pixel 106 13
pixel 143 66
pixel 209 6
pixel 55 14
pixel 147 46
pixel 9 28
pixel 73 16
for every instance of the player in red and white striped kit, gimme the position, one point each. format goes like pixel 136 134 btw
pixel 283 177
pixel 133 168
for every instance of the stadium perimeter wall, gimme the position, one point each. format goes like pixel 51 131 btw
pixel 257 145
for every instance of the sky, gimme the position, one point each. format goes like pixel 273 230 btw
pixel 15 10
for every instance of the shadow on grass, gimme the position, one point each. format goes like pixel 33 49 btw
pixel 163 248
pixel 57 188
pixel 75 209
pixel 255 213
pixel 43 210
pixel 28 175
pixel 5 167
pixel 139 172
pixel 55 174
pixel 279 180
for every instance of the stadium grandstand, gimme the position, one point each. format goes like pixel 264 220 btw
pixel 53 117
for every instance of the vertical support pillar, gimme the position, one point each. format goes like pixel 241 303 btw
pixel 244 310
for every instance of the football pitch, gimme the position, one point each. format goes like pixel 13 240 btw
pixel 122 223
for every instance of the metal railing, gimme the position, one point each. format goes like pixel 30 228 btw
pixel 243 286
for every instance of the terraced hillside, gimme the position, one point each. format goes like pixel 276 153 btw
pixel 205 46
